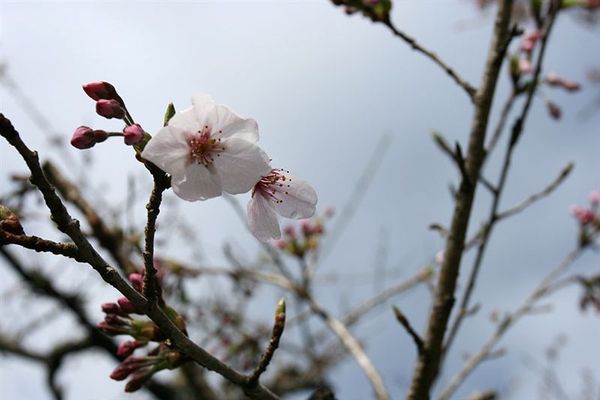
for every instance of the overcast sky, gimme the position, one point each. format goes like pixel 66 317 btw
pixel 324 88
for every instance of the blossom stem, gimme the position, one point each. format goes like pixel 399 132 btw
pixel 151 289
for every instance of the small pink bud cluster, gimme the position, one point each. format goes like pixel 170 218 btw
pixel 588 218
pixel 108 105
pixel 85 137
pixel 554 80
pixel 140 369
pixel 520 62
pixel 108 102
pixel 303 237
pixel 530 39
pixel 120 320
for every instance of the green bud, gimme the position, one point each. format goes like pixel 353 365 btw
pixel 170 113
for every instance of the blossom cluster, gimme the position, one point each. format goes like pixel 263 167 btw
pixel 209 150
pixel 304 237
pixel 108 105
pixel 521 67
pixel 587 217
pixel 120 319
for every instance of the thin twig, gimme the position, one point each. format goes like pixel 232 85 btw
pixel 564 173
pixel 41 245
pixel 470 90
pixel 508 104
pixel 401 318
pixel 278 327
pixel 109 238
pixel 151 287
pixel 42 285
pixel 70 226
pixel 542 290
pixel 353 346
pixel 428 363
pixel 493 216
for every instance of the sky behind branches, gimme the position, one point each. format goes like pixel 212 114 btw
pixel 324 89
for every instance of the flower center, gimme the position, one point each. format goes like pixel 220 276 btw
pixel 203 147
pixel 273 185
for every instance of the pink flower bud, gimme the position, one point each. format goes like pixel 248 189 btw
pixel 280 244
pixel 109 109
pixel 128 347
pixel 525 66
pixel 126 305
pixel 110 308
pixel 121 372
pixel 83 138
pixel 594 197
pixel 290 232
pixel 133 134
pixel 101 91
pixel 100 135
pixel 583 215
pixel 137 281
pixel 556 81
pixel 110 329
pixel 306 227
pixel 553 109
pixel 529 41
pixel 137 380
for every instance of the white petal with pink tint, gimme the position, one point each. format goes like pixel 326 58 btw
pixel 198 184
pixel 240 165
pixel 297 199
pixel 279 192
pixel 208 149
pixel 168 149
pixel 262 220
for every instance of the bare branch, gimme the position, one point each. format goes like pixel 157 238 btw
pixel 41 245
pixel 493 216
pixel 353 346
pixel 110 239
pixel 70 226
pixel 470 90
pixel 428 363
pixel 278 327
pixel 541 291
pixel 151 288
pixel 564 173
pixel 409 329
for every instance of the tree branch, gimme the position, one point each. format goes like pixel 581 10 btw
pixel 428 363
pixel 470 90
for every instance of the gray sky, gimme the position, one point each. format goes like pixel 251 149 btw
pixel 324 87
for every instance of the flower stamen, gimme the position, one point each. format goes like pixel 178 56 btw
pixel 203 147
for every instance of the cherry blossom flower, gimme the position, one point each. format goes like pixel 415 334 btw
pixel 278 193
pixel 208 149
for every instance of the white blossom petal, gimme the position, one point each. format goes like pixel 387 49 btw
pixel 168 149
pixel 262 220
pixel 241 165
pixel 186 120
pixel 204 111
pixel 232 125
pixel 199 184
pixel 297 199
